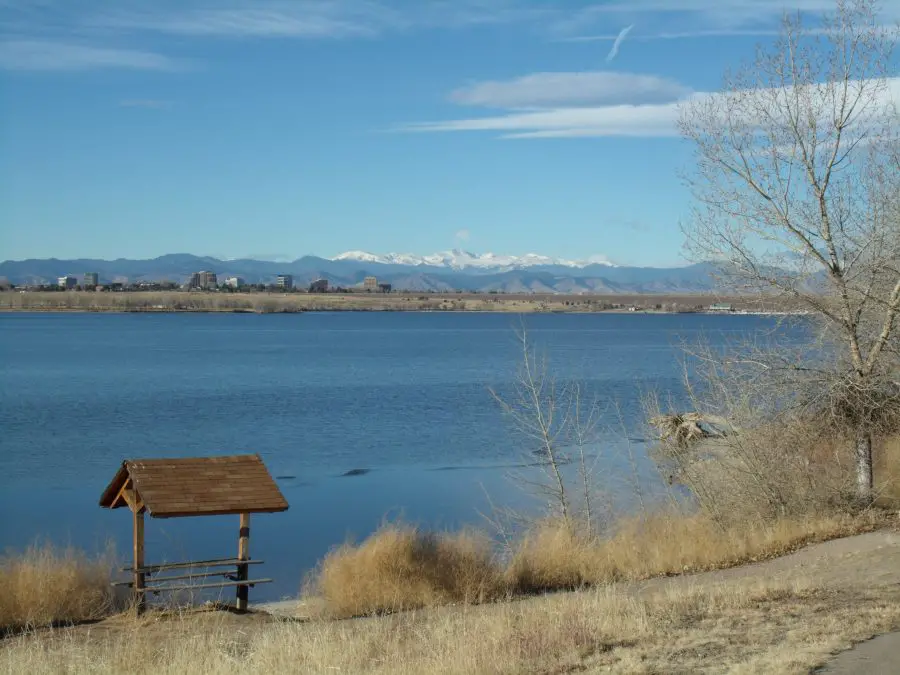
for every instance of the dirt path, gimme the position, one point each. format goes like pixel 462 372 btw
pixel 872 559
pixel 878 656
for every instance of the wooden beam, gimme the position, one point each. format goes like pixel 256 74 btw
pixel 243 591
pixel 218 562
pixel 140 598
pixel 196 587
pixel 133 499
pixel 120 494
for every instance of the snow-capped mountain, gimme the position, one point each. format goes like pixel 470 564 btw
pixel 450 271
pixel 458 259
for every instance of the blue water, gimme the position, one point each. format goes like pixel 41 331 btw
pixel 405 396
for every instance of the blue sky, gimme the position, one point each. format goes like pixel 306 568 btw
pixel 284 128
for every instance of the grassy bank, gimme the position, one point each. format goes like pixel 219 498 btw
pixel 741 627
pixel 299 302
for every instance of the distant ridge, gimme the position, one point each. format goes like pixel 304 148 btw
pixel 450 271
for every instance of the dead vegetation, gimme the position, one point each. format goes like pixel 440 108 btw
pixel 44 585
pixel 742 627
pixel 401 568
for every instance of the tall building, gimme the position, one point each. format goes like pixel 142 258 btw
pixel 370 284
pixel 319 286
pixel 285 281
pixel 91 279
pixel 67 282
pixel 234 282
pixel 207 280
pixel 195 280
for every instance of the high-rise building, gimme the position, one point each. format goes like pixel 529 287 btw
pixel 91 279
pixel 234 282
pixel 195 280
pixel 207 280
pixel 67 282
pixel 285 281
pixel 370 284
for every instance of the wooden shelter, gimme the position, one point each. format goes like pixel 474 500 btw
pixel 194 486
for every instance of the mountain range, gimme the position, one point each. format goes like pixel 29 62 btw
pixel 458 259
pixel 448 271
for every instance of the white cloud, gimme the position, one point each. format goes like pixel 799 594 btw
pixel 620 38
pixel 619 120
pixel 547 90
pixel 349 18
pixel 689 34
pixel 62 56
pixel 640 120
pixel 92 31
pixel 310 18
pixel 671 19
pixel 316 21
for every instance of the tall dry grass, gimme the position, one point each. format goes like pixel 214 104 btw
pixel 749 627
pixel 45 585
pixel 553 556
pixel 400 568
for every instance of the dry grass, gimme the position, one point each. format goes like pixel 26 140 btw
pixel 44 586
pixel 400 567
pixel 746 627
pixel 397 301
pixel 553 556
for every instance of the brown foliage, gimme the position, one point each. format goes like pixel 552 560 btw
pixel 400 567
pixel 45 586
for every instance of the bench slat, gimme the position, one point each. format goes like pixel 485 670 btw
pixel 196 587
pixel 159 580
pixel 219 562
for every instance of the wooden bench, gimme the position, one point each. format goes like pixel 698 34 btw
pixel 237 578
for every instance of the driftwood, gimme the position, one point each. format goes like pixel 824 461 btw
pixel 682 428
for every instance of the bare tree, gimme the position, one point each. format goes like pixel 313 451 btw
pixel 559 424
pixel 540 410
pixel 797 189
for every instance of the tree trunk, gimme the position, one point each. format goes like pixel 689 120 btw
pixel 864 482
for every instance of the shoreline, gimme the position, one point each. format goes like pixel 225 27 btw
pixel 152 302
pixel 118 310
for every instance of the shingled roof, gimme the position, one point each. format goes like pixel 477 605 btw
pixel 197 486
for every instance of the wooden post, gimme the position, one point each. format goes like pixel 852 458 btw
pixel 139 599
pixel 243 592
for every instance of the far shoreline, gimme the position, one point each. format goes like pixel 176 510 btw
pixel 154 302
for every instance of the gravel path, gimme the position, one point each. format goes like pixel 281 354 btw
pixel 878 656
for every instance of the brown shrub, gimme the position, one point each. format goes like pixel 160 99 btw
pixel 400 568
pixel 44 586
pixel 554 556
pixel 790 469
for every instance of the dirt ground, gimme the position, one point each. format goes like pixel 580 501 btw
pixel 846 573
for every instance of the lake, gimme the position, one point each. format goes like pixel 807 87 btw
pixel 400 399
